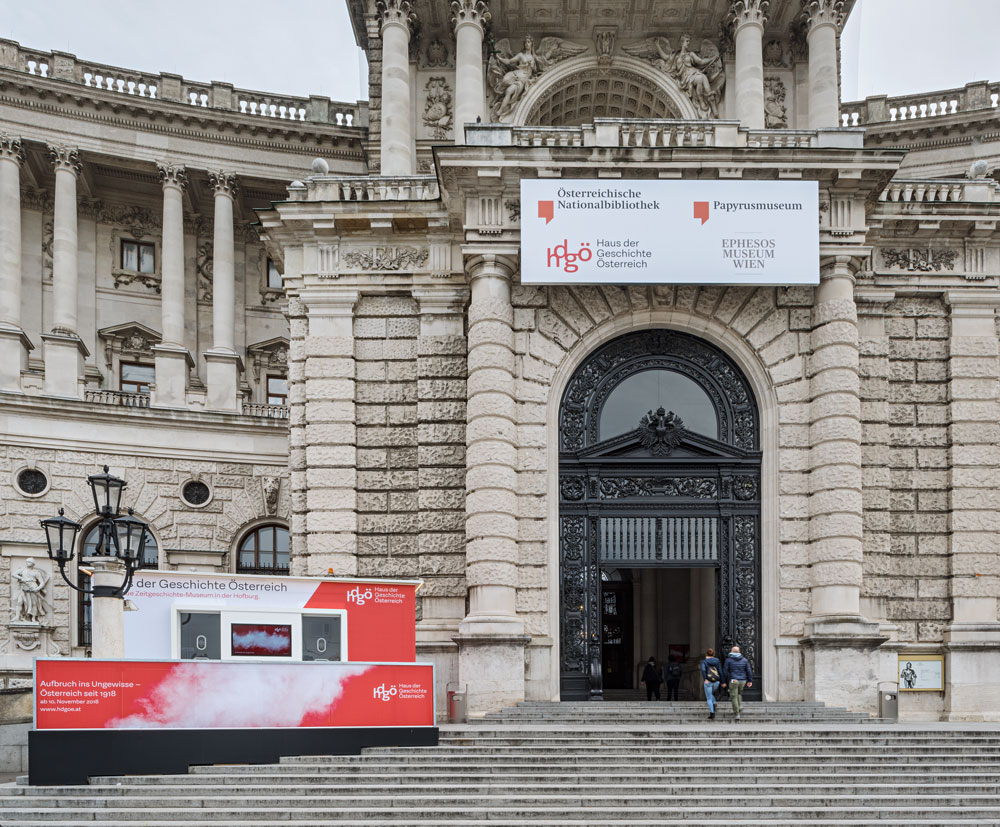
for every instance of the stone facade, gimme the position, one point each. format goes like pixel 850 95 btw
pixel 425 380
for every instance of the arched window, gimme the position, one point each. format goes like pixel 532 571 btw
pixel 649 390
pixel 264 550
pixel 92 546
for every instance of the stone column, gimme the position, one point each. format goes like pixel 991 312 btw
pixel 468 16
pixel 14 344
pixel 972 640
pixel 442 359
pixel 491 637
pixel 824 19
pixel 749 18
pixel 838 639
pixel 330 434
pixel 172 359
pixel 108 618
pixel 224 365
pixel 397 16
pixel 64 351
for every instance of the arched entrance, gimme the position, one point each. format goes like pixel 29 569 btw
pixel 659 489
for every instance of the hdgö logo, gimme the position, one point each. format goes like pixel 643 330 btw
pixel 561 257
pixel 547 210
pixel 355 595
pixel 701 211
pixel 384 693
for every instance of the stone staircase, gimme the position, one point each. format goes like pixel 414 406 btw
pixel 580 764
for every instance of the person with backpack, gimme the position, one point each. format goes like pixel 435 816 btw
pixel 738 674
pixel 711 674
pixel 673 672
pixel 651 677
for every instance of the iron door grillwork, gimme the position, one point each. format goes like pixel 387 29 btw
pixel 684 499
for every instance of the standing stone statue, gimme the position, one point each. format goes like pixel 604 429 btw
pixel 29 601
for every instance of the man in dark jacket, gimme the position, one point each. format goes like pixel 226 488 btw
pixel 651 677
pixel 738 675
pixel 673 672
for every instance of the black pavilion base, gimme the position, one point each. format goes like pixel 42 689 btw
pixel 69 756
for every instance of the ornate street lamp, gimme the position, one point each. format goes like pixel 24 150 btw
pixel 121 537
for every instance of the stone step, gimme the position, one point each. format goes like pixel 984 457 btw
pixel 898 814
pixel 550 821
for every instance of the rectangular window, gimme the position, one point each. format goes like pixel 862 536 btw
pixel 269 640
pixel 273 276
pixel 135 378
pixel 320 637
pixel 277 390
pixel 138 256
pixel 201 636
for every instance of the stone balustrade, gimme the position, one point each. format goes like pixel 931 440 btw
pixel 667 133
pixel 176 89
pixel 366 188
pixel 944 189
pixel 883 109
pixel 118 398
pixel 264 411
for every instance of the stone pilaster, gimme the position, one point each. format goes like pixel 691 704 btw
pixel 824 19
pixel 173 360
pixel 840 668
pixel 396 17
pixel 14 344
pixel 749 18
pixel 224 365
pixel 491 637
pixel 328 453
pixel 441 417
pixel 468 17
pixel 64 350
pixel 972 640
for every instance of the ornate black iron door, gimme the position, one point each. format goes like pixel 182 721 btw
pixel 660 494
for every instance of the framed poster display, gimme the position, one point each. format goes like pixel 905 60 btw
pixel 920 673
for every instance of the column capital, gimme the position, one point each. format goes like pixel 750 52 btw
pixel 396 13
pixel 11 149
pixel 816 13
pixel 64 157
pixel 172 175
pixel 474 12
pixel 744 12
pixel 498 265
pixel 224 183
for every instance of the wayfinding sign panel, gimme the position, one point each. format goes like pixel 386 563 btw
pixel 669 232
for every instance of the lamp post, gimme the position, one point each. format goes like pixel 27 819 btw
pixel 121 544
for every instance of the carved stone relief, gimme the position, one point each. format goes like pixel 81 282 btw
pixel 700 75
pixel 919 259
pixel 437 108
pixel 203 266
pixel 510 75
pixel 775 112
pixel 387 258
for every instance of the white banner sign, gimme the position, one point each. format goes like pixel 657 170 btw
pixel 658 232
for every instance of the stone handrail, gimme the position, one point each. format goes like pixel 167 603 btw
pixel 882 109
pixel 927 190
pixel 174 88
pixel 119 398
pixel 265 411
pixel 366 188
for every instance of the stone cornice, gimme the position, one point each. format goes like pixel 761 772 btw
pixel 49 96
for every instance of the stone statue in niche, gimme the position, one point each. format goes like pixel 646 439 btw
pixel 510 75
pixel 775 112
pixel 437 109
pixel 700 75
pixel 29 604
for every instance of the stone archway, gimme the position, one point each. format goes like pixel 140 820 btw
pixel 660 495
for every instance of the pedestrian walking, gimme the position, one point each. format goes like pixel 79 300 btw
pixel 738 675
pixel 651 677
pixel 711 675
pixel 673 672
